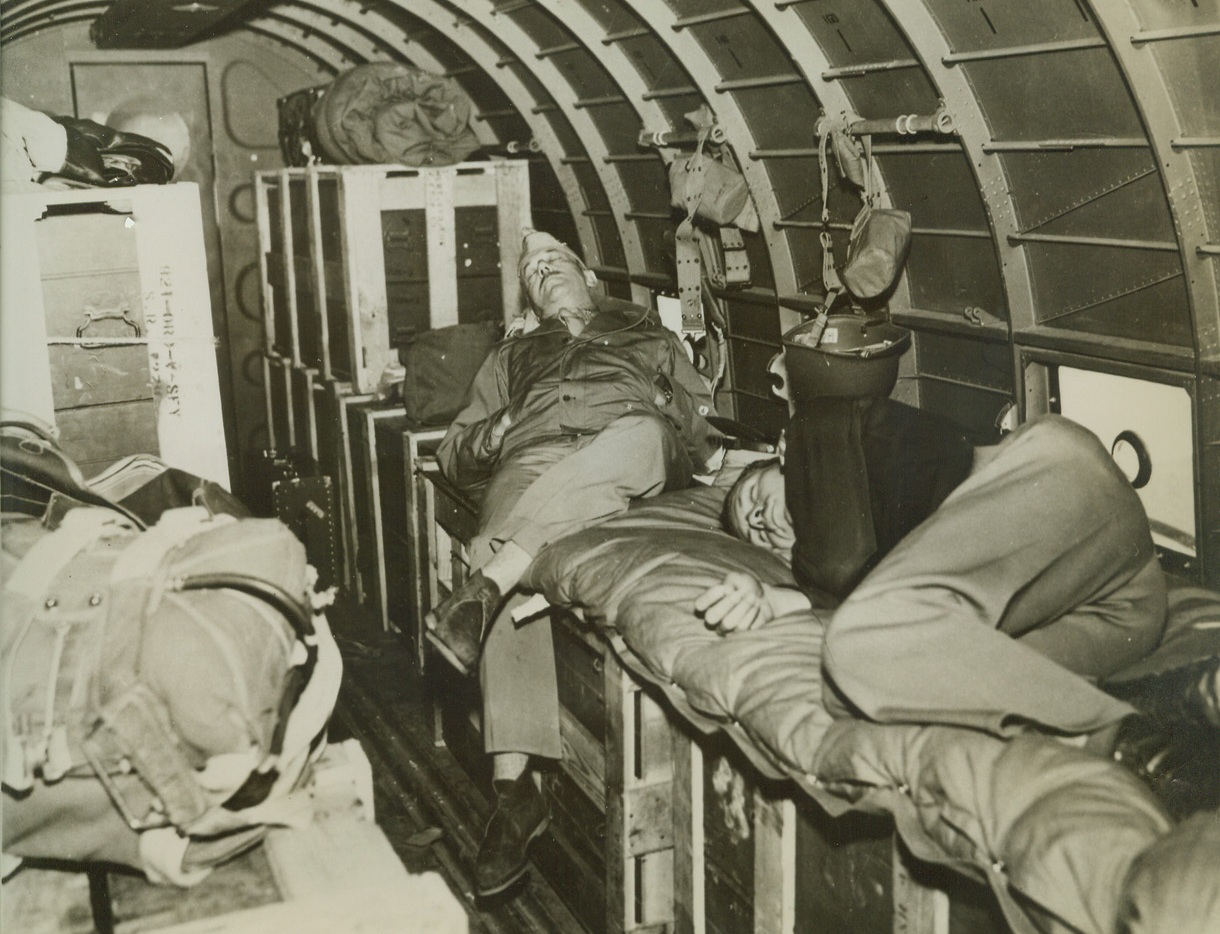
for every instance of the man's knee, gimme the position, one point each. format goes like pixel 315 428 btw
pixel 649 452
pixel 854 643
pixel 644 428
pixel 1069 453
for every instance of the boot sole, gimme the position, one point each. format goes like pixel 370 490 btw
pixel 525 867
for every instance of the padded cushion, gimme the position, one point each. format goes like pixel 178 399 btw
pixel 639 575
pixel 1050 821
pixel 1030 815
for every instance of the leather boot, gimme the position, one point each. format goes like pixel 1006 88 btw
pixel 835 535
pixel 1187 696
pixel 521 815
pixel 458 623
pixel 1181 767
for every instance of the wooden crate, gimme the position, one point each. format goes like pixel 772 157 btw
pixel 334 402
pixel 609 852
pixel 756 854
pixel 107 333
pixel 354 259
pixel 640 800
pixel 451 522
pixel 277 397
pixel 752 856
pixel 399 446
pixel 302 385
pixel 366 512
pixel 336 874
pixel 295 419
pixel 383 453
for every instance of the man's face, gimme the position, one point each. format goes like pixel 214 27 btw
pixel 554 278
pixel 758 510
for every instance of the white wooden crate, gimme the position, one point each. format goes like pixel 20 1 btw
pixel 105 309
pixel 329 298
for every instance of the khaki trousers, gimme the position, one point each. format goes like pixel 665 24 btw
pixel 1034 576
pixel 539 495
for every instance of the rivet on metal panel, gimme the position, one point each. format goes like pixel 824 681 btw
pixel 997 187
pixel 1094 195
pixel 1110 296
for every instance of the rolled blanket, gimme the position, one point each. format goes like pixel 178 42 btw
pixel 388 113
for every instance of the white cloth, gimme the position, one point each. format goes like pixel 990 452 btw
pixel 33 143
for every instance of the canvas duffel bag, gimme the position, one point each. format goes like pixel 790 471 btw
pixel 165 691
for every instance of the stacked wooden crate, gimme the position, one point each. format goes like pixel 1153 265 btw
pixel 660 826
pixel 756 854
pixel 610 849
pixel 107 327
pixel 355 260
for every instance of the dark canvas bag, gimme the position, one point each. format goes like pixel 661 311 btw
pixel 704 186
pixel 440 365
pixel 164 689
pixel 879 243
pixel 878 247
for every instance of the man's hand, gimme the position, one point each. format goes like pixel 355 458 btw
pixel 739 602
pixel 495 437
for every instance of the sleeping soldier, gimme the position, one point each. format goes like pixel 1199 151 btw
pixel 564 426
pixel 1002 581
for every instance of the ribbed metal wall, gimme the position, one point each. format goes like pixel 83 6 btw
pixel 1073 214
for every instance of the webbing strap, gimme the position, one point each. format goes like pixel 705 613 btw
pixel 696 178
pixel 830 277
pixel 51 553
pixel 686 242
pixel 24 592
pixel 144 557
pixel 136 727
pixel 870 188
pixel 736 262
pixel 690 274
